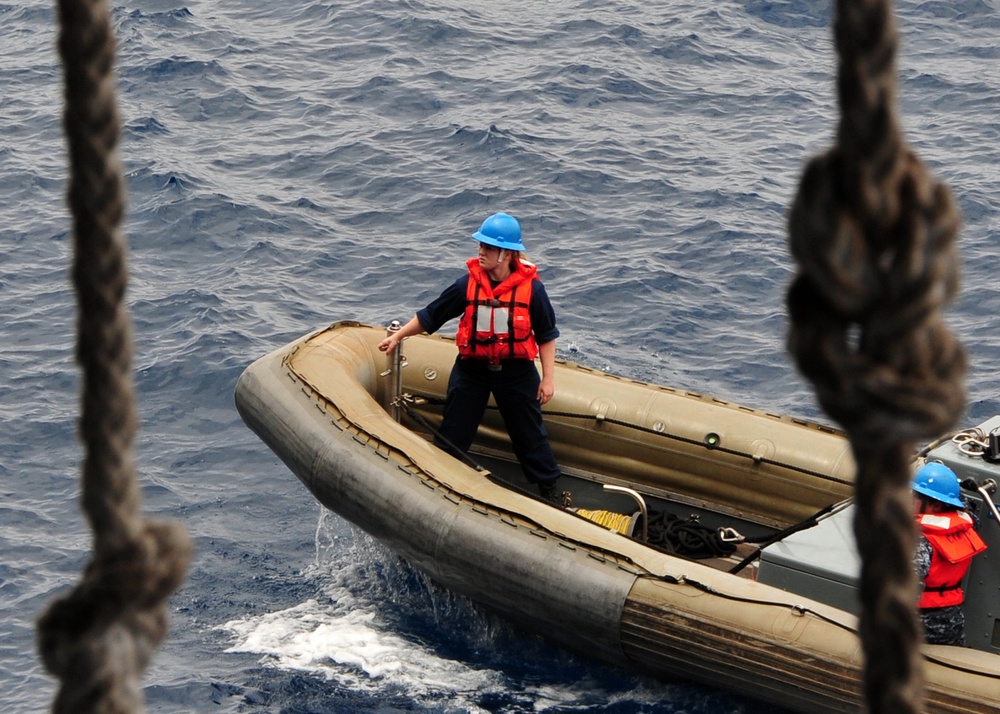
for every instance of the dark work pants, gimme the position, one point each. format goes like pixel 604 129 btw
pixel 515 389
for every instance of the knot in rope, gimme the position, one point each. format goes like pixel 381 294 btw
pixel 99 638
pixel 873 234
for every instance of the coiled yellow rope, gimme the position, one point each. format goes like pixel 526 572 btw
pixel 619 522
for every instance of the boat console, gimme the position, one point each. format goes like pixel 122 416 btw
pixel 822 562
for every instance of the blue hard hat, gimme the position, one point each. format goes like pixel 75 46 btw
pixel 937 481
pixel 502 231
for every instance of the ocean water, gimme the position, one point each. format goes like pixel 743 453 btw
pixel 290 164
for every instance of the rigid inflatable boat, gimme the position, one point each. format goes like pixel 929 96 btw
pixel 696 539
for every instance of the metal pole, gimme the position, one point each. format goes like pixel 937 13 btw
pixel 396 369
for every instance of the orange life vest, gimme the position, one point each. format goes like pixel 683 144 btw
pixel 954 542
pixel 496 323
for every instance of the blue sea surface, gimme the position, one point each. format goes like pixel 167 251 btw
pixel 291 164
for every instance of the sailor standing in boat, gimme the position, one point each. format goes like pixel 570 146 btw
pixel 948 541
pixel 506 321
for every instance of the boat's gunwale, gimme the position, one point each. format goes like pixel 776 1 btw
pixel 823 482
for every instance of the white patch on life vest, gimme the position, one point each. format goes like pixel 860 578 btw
pixel 484 318
pixel 501 320
pixel 490 319
pixel 929 519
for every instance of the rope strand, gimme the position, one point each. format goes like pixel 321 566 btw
pixel 100 637
pixel 873 234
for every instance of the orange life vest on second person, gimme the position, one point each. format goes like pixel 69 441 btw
pixel 954 541
pixel 496 323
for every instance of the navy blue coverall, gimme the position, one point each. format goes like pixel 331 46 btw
pixel 514 386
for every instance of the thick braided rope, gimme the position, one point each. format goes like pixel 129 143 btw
pixel 873 234
pixel 99 638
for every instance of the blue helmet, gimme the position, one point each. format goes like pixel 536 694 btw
pixel 937 481
pixel 502 231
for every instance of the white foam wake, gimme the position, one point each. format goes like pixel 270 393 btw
pixel 346 636
pixel 351 649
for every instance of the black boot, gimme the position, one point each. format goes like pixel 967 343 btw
pixel 550 492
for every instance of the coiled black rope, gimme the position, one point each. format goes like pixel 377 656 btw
pixel 686 537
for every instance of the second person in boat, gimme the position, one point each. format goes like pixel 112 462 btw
pixel 505 321
pixel 946 545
